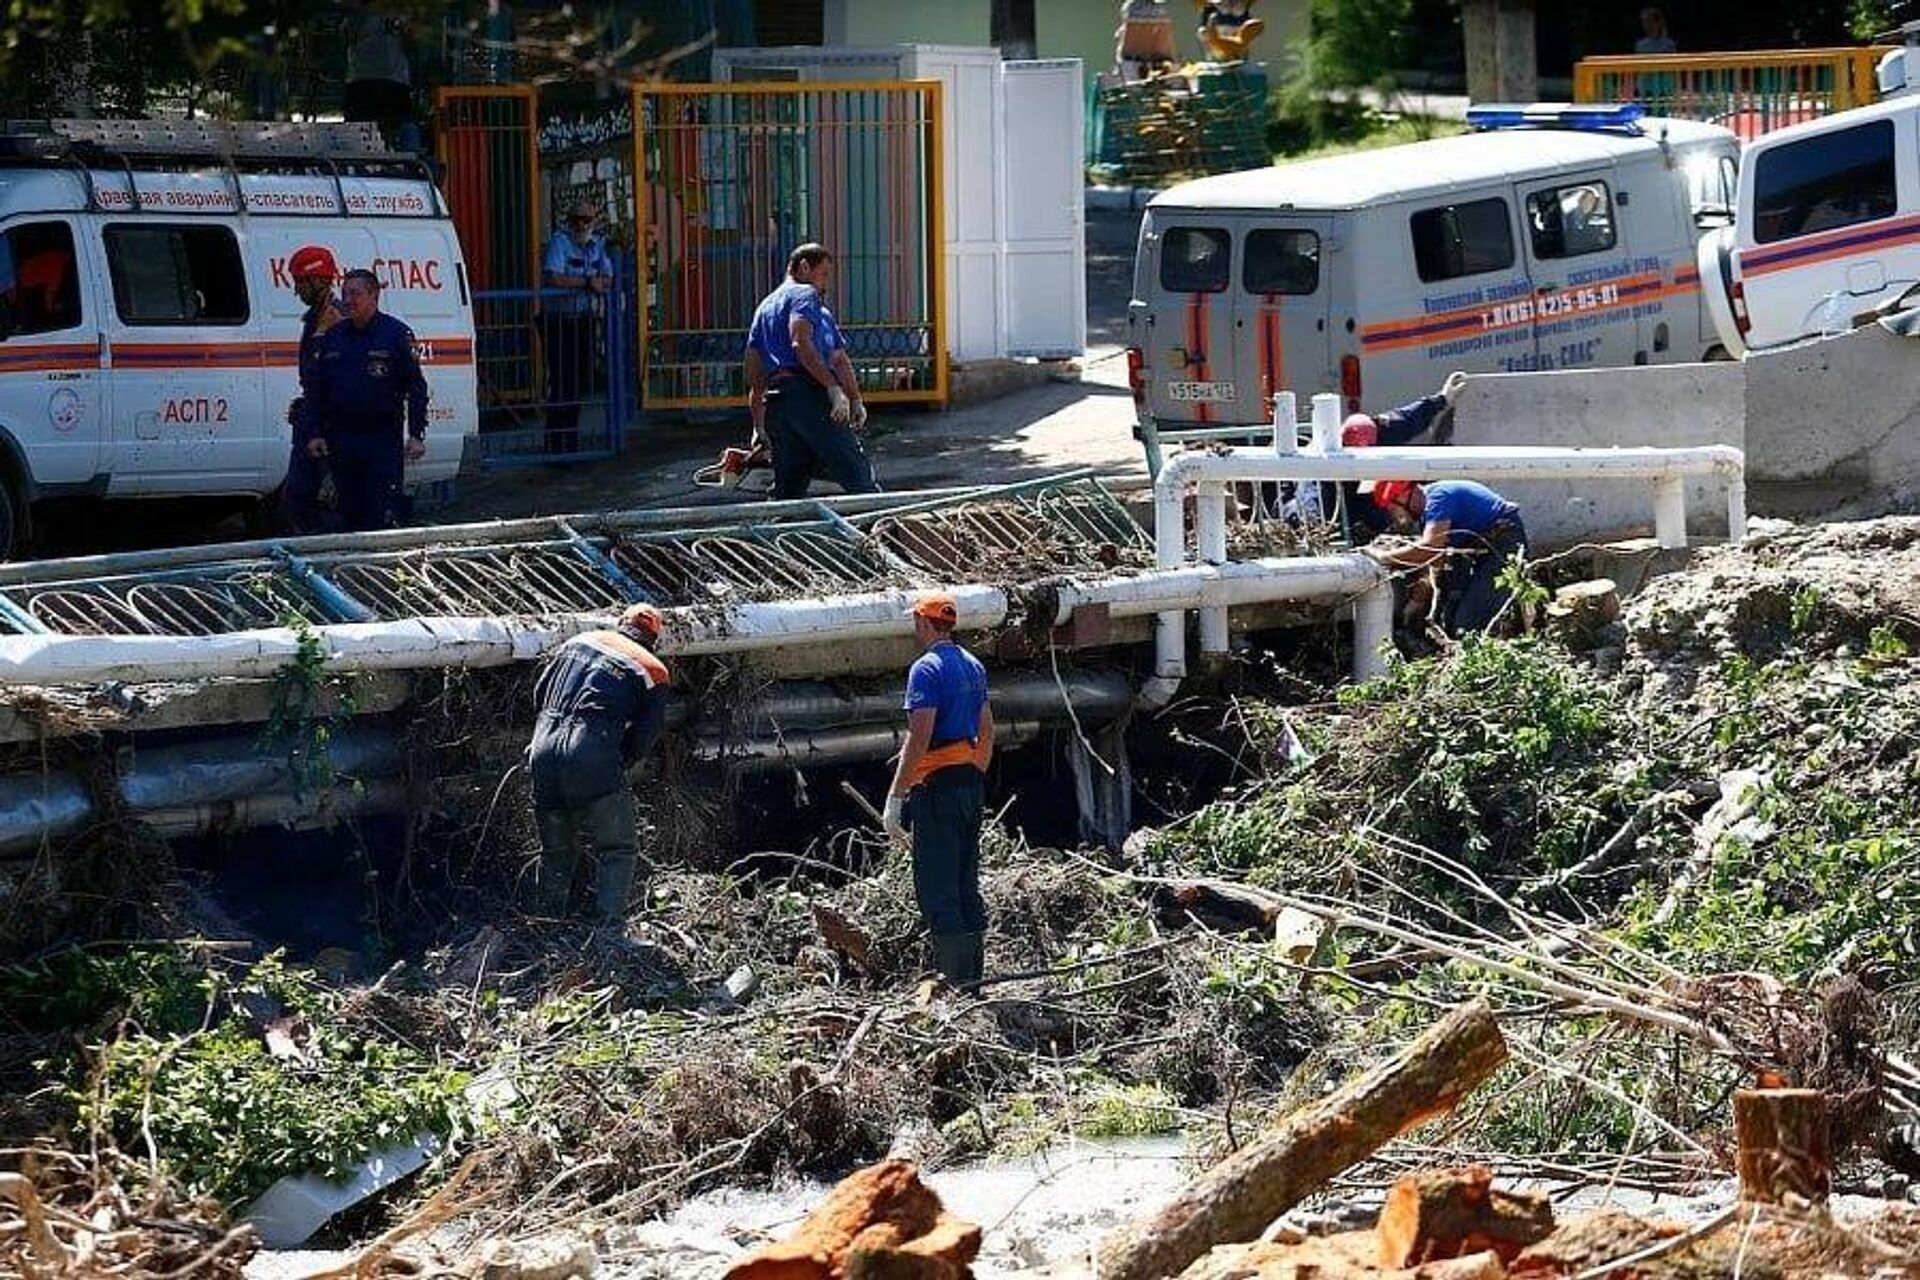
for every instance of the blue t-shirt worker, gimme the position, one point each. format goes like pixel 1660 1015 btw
pixel 801 388
pixel 939 789
pixel 1468 533
pixel 368 401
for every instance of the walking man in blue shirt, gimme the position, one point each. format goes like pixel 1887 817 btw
pixel 367 402
pixel 801 388
pixel 1468 533
pixel 313 270
pixel 940 789
pixel 576 274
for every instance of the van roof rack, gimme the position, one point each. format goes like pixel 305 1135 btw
pixel 1588 117
pixel 237 139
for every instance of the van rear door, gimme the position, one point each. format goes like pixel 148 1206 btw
pixel 1185 328
pixel 1281 298
pixel 1584 285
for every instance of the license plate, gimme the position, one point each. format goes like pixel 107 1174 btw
pixel 1188 392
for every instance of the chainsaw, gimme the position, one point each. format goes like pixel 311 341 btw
pixel 750 471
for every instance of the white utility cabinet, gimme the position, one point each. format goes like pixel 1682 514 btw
pixel 1011 150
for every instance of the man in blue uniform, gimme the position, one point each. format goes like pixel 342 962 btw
pixel 1468 533
pixel 577 271
pixel 940 788
pixel 313 270
pixel 801 388
pixel 368 405
pixel 603 701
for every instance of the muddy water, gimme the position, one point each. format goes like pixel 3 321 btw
pixel 1045 1208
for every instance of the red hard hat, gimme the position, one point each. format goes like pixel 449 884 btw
pixel 1360 431
pixel 643 618
pixel 1387 494
pixel 312 260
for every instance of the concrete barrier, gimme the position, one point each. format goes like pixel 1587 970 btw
pixel 1668 405
pixel 1834 423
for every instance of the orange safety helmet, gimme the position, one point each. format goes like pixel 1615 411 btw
pixel 936 606
pixel 643 618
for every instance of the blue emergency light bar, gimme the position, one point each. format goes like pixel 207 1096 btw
pixel 1593 117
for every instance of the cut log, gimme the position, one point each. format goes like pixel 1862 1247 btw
pixel 1227 908
pixel 1341 1257
pixel 883 1210
pixel 1448 1213
pixel 1782 1136
pixel 1237 1198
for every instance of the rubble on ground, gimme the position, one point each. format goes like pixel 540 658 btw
pixel 1676 856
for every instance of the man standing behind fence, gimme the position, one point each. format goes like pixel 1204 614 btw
pixel 577 273
pixel 801 390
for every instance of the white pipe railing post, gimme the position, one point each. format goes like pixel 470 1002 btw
pixel 1372 632
pixel 1670 510
pixel 1210 536
pixel 1326 423
pixel 1737 508
pixel 1286 423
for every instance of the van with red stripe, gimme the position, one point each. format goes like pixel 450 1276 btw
pixel 1828 228
pixel 1548 237
pixel 149 332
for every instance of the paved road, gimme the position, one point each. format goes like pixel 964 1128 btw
pixel 1033 432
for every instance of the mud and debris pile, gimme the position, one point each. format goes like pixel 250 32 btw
pixel 1682 861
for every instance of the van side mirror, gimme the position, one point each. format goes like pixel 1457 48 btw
pixel 1710 217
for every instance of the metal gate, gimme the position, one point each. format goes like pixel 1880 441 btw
pixel 731 177
pixel 553 374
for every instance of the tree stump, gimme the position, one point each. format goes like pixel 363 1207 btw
pixel 1782 1135
pixel 1449 1213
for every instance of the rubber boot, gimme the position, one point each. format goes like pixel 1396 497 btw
pixel 976 944
pixel 952 954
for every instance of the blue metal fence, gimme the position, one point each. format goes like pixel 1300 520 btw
pixel 555 385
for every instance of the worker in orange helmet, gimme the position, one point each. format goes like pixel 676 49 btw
pixel 603 703
pixel 939 788
pixel 1467 534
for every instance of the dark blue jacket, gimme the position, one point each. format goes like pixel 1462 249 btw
pixel 311 337
pixel 367 382
pixel 603 702
pixel 1397 426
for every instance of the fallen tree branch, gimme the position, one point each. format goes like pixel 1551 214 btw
pixel 1236 1199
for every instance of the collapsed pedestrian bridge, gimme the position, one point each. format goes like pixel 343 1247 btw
pixel 174 660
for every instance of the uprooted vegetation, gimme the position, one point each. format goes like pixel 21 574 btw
pixel 1675 864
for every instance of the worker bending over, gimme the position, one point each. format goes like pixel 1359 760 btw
pixel 603 701
pixel 939 789
pixel 1468 533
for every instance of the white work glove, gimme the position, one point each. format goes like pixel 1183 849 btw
pixel 859 415
pixel 842 410
pixel 1452 386
pixel 892 818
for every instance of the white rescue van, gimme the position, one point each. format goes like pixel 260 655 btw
pixel 1828 227
pixel 1548 238
pixel 149 331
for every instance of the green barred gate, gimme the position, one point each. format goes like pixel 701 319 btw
pixel 731 177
